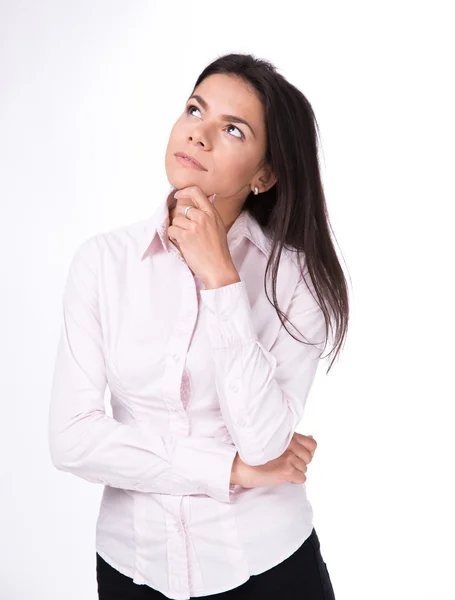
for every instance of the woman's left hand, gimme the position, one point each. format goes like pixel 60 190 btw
pixel 202 238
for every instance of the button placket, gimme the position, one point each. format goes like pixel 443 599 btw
pixel 175 357
pixel 176 545
pixel 234 385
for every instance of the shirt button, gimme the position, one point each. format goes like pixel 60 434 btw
pixel 241 422
pixel 225 317
pixel 234 387
pixel 176 358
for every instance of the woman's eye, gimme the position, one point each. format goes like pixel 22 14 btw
pixel 234 127
pixel 189 109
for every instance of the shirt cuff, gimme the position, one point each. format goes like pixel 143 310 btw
pixel 208 464
pixel 229 315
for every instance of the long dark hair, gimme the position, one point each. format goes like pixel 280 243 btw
pixel 293 211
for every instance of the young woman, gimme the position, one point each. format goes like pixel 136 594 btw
pixel 203 471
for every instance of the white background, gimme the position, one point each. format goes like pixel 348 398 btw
pixel 89 91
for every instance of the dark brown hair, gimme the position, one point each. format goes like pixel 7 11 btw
pixel 293 211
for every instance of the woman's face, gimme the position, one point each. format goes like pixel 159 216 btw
pixel 231 152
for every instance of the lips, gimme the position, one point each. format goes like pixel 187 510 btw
pixel 191 159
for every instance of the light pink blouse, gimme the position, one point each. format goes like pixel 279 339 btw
pixel 194 376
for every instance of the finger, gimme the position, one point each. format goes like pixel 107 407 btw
pixel 183 222
pixel 174 234
pixel 302 455
pixel 314 449
pixel 299 464
pixel 306 441
pixel 301 452
pixel 197 196
pixel 298 476
pixel 182 204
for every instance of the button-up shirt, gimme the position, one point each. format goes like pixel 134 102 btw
pixel 195 375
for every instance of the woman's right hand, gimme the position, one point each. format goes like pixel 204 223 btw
pixel 290 467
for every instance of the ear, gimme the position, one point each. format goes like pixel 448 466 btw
pixel 267 178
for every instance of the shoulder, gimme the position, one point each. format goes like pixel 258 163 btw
pixel 127 236
pixel 115 243
pixel 292 266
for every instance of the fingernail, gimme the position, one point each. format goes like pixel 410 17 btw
pixel 213 198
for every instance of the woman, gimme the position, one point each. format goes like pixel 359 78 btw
pixel 202 468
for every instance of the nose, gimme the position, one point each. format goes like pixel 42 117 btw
pixel 197 140
pixel 199 137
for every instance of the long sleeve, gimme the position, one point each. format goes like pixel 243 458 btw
pixel 262 394
pixel 87 442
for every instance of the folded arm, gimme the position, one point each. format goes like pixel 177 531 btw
pixel 262 394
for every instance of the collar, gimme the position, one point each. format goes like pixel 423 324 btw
pixel 155 230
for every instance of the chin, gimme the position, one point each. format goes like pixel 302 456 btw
pixel 187 178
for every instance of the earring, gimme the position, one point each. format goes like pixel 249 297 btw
pixel 256 190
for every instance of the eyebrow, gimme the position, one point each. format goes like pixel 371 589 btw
pixel 232 118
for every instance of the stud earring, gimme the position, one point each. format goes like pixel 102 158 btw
pixel 256 190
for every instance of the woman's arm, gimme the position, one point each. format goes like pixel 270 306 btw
pixel 262 394
pixel 92 445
